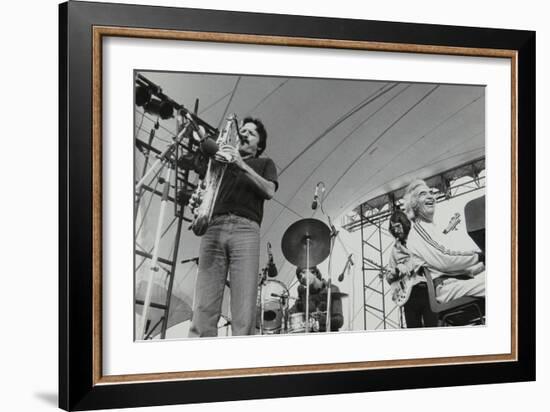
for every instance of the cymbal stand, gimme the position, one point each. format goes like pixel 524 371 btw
pixel 226 325
pixel 333 235
pixel 284 303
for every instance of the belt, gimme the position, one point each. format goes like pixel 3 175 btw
pixel 232 214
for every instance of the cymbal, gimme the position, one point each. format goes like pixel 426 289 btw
pixel 295 238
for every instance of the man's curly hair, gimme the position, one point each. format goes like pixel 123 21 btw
pixel 261 132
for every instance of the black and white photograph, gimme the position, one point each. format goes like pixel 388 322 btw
pixel 271 205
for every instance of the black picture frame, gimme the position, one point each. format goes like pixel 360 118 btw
pixel 78 385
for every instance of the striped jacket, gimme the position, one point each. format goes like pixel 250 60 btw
pixel 427 242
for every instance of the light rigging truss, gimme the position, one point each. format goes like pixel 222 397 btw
pixel 167 174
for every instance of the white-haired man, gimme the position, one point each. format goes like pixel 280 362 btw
pixel 456 273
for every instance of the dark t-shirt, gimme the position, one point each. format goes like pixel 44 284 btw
pixel 239 195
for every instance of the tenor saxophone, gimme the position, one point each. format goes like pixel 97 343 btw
pixel 207 190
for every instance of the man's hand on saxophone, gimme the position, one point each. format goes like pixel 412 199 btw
pixel 230 155
pixel 195 201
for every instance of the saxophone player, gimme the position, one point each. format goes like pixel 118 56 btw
pixel 230 245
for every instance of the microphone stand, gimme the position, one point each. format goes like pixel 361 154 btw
pixel 227 324
pixel 154 260
pixel 263 278
pixel 333 235
pixel 164 156
pixel 347 268
pixel 352 306
pixel 306 330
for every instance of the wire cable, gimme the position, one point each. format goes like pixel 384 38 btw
pixel 371 176
pixel 379 93
pixel 381 135
pixel 140 124
pixel 268 96
pixel 152 195
pixel 229 102
pixel 214 103
pixel 151 249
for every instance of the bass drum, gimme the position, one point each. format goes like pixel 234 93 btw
pixel 275 295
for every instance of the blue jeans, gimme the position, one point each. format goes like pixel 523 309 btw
pixel 231 244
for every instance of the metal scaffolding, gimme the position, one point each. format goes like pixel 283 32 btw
pixel 370 218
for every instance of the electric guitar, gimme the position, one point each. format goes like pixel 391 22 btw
pixel 401 288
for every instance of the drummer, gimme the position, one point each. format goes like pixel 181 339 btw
pixel 318 300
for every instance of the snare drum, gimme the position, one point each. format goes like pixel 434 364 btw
pixel 297 323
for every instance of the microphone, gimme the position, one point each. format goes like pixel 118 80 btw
pixel 209 147
pixel 316 195
pixel 348 263
pixel 195 259
pixel 271 268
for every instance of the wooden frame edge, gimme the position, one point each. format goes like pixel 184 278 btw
pixel 98 32
pixel 514 227
pixel 298 369
pixel 220 37
pixel 97 354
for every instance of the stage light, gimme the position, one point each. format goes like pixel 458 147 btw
pixel 166 110
pixel 143 95
pixel 160 108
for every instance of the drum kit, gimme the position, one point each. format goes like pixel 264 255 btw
pixel 305 244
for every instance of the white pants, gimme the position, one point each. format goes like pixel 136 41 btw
pixel 452 288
